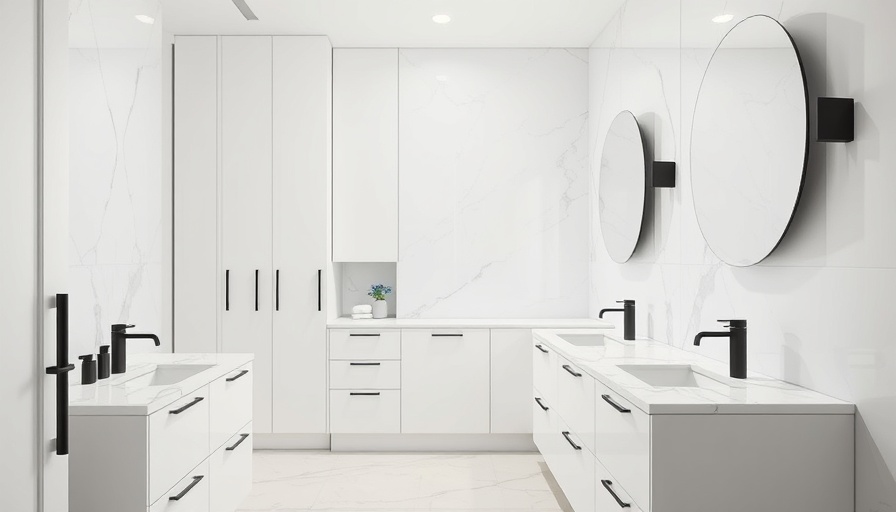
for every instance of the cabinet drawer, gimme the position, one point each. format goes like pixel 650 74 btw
pixel 544 374
pixel 365 412
pixel 365 344
pixel 230 469
pixel 574 468
pixel 622 442
pixel 190 494
pixel 230 404
pixel 365 374
pixel 178 441
pixel 575 400
pixel 611 496
pixel 544 425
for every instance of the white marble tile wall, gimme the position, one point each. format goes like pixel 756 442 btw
pixel 493 183
pixel 819 308
pixel 117 247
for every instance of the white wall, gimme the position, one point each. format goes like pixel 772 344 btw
pixel 819 308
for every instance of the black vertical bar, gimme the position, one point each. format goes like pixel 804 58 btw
pixel 227 290
pixel 62 377
pixel 256 289
pixel 319 272
pixel 277 305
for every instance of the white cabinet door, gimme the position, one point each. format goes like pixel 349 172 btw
pixel 196 194
pixel 247 189
pixel 445 381
pixel 301 152
pixel 365 155
pixel 511 381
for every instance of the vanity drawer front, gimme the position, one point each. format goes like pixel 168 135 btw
pixel 365 411
pixel 192 493
pixel 371 344
pixel 544 374
pixel 544 424
pixel 231 472
pixel 365 374
pixel 611 496
pixel 231 404
pixel 622 442
pixel 178 441
pixel 576 400
pixel 574 468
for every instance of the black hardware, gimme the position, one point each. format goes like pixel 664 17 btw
pixel 239 442
pixel 543 407
pixel 435 335
pixel 609 400
pixel 277 300
pixel 231 379
pixel 185 407
pixel 196 480
pixel 119 351
pixel 61 372
pixel 737 346
pixel 836 120
pixel 227 290
pixel 628 310
pixel 663 175
pixel 104 361
pixel 256 289
pixel 319 272
pixel 571 371
pixel 363 364
pixel 364 394
pixel 88 369
pixel 608 486
pixel 364 335
pixel 574 445
pixel 539 347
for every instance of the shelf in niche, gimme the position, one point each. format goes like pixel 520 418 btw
pixel 354 280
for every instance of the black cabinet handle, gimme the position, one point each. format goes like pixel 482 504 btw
pixel 571 371
pixel 277 298
pixel 227 290
pixel 364 394
pixel 608 486
pixel 256 289
pixel 239 442
pixel 319 272
pixel 231 379
pixel 363 364
pixel 543 407
pixel 539 347
pixel 609 400
pixel 196 480
pixel 185 407
pixel 447 335
pixel 60 370
pixel 364 335
pixel 571 442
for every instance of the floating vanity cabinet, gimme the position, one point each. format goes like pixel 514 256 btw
pixel 511 380
pixel 365 155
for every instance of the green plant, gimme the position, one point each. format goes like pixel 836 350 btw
pixel 379 291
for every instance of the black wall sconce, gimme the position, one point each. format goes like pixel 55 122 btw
pixel 836 120
pixel 663 175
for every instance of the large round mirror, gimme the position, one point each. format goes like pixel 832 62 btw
pixel 749 141
pixel 622 187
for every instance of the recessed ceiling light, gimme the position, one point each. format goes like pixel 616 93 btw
pixel 142 18
pixel 441 18
pixel 723 18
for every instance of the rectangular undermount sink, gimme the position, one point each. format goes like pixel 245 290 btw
pixel 584 340
pixel 168 374
pixel 673 376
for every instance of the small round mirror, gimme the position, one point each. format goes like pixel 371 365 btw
pixel 623 182
pixel 749 141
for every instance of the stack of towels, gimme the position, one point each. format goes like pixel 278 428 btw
pixel 362 311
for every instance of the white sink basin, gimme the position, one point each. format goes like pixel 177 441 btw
pixel 673 376
pixel 167 374
pixel 584 340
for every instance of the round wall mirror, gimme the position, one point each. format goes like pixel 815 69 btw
pixel 623 182
pixel 750 141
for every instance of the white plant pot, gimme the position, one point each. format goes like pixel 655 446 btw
pixel 380 309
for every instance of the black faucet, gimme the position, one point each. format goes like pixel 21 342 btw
pixel 119 350
pixel 628 310
pixel 737 345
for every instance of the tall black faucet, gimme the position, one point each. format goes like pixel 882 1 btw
pixel 628 310
pixel 119 350
pixel 737 346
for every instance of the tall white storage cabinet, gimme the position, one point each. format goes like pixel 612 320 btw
pixel 252 157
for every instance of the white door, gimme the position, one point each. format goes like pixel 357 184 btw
pixel 246 116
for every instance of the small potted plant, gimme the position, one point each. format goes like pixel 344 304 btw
pixel 379 292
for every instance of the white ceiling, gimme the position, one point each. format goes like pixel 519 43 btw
pixel 403 23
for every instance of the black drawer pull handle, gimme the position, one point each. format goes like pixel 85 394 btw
pixel 227 290
pixel 239 442
pixel 447 335
pixel 543 407
pixel 608 486
pixel 319 278
pixel 571 371
pixel 196 480
pixel 539 347
pixel 356 335
pixel 364 394
pixel 256 289
pixel 363 364
pixel 574 445
pixel 231 379
pixel 615 405
pixel 277 292
pixel 184 408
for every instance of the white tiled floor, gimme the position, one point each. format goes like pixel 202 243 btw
pixel 292 481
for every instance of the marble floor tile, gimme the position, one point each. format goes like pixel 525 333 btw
pixel 293 481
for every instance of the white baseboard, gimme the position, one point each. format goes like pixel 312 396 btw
pixel 432 442
pixel 291 442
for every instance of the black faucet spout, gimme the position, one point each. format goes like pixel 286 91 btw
pixel 737 346
pixel 702 335
pixel 628 309
pixel 119 348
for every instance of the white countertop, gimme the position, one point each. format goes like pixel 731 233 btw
pixel 757 394
pixel 469 323
pixel 119 396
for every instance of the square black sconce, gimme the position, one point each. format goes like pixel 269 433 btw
pixel 663 174
pixel 836 120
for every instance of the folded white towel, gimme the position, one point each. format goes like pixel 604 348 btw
pixel 362 316
pixel 362 309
